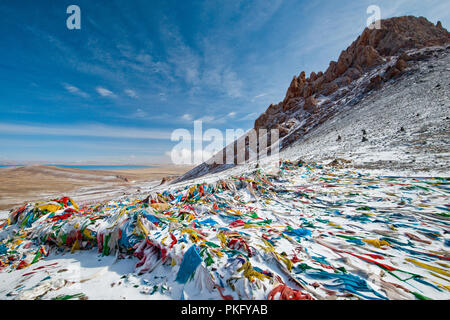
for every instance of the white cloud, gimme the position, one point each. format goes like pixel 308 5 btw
pixel 116 145
pixel 74 90
pixel 232 114
pixel 207 119
pixel 217 72
pixel 259 13
pixel 105 92
pixel 140 114
pixel 250 116
pixel 184 61
pixel 92 130
pixel 186 156
pixel 260 96
pixel 232 84
pixel 131 93
pixel 187 117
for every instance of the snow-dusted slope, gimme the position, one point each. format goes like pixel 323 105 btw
pixel 404 122
pixel 390 82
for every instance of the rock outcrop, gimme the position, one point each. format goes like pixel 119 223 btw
pixel 372 48
pixel 310 104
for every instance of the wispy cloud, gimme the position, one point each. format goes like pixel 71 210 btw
pixel 131 93
pixel 74 90
pixel 184 60
pixel 250 116
pixel 232 84
pixel 260 96
pixel 140 114
pixel 145 115
pixel 187 117
pixel 105 92
pixel 205 67
pixel 259 13
pixel 137 146
pixel 207 119
pixel 93 130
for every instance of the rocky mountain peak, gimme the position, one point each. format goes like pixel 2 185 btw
pixel 372 48
pixel 377 58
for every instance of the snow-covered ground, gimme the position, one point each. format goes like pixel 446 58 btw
pixel 4 215
pixel 327 233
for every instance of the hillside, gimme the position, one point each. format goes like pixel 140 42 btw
pixel 368 82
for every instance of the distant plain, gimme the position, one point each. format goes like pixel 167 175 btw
pixel 19 185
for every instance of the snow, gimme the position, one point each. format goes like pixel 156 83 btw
pixel 326 201
pixel 4 215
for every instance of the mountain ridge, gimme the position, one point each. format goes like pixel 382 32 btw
pixel 369 50
pixel 377 57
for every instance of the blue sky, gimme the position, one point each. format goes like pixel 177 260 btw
pixel 138 69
